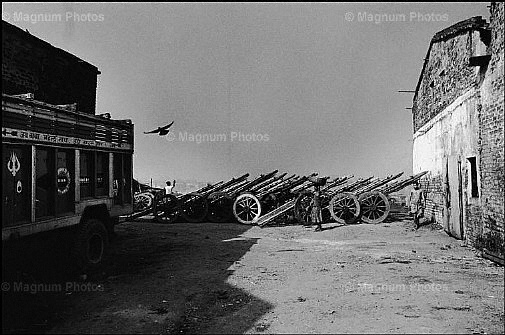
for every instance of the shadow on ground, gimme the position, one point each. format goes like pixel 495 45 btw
pixel 157 279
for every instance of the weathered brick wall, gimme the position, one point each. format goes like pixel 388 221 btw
pixel 53 75
pixel 434 209
pixel 446 75
pixel 492 128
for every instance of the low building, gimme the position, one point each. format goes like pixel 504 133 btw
pixel 458 118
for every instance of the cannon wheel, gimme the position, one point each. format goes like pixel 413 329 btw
pixel 142 201
pixel 220 207
pixel 247 208
pixel 303 208
pixel 345 208
pixel 195 209
pixel 167 208
pixel 375 207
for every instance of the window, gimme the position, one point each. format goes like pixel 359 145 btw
pixel 54 184
pixel 102 174
pixel 118 179
pixel 65 173
pixel 127 168
pixel 87 172
pixel 473 177
pixel 122 179
pixel 45 182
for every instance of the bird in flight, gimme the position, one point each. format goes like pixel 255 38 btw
pixel 161 130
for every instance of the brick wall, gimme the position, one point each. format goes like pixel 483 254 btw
pixel 445 78
pixel 446 74
pixel 434 210
pixel 492 128
pixel 53 75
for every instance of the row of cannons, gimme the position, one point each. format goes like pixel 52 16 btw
pixel 277 197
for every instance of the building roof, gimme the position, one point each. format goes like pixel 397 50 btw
pixel 7 27
pixel 473 23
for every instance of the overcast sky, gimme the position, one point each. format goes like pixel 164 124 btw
pixel 317 81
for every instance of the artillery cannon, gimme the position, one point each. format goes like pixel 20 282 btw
pixel 304 199
pixel 143 196
pixel 192 206
pixel 342 205
pixel 375 205
pixel 220 203
pixel 249 207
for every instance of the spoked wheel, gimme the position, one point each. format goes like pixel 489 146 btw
pixel 303 208
pixel 195 208
pixel 345 208
pixel 375 207
pixel 220 207
pixel 167 208
pixel 247 208
pixel 142 201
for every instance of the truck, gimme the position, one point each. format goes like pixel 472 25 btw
pixel 64 170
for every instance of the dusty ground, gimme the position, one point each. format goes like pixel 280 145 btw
pixel 230 278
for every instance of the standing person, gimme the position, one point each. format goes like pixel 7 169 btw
pixel 417 202
pixel 317 217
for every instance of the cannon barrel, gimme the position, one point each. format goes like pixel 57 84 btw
pixel 336 182
pixel 278 188
pixel 402 184
pixel 377 183
pixel 254 182
pixel 298 185
pixel 234 181
pixel 205 191
pixel 242 186
pixel 232 188
pixel 356 184
pixel 382 182
pixel 267 183
pixel 330 190
pixel 269 188
pixel 208 187
pixel 280 182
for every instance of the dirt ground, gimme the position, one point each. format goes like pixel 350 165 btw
pixel 231 278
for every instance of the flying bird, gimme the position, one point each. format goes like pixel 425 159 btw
pixel 161 130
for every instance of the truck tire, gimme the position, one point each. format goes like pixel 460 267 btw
pixel 91 244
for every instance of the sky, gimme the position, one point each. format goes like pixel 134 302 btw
pixel 254 87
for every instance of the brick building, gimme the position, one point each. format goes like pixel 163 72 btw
pixel 31 65
pixel 458 118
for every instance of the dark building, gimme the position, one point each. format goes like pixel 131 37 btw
pixel 458 118
pixel 31 65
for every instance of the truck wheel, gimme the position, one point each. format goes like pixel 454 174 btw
pixel 91 244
